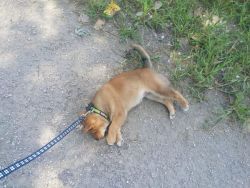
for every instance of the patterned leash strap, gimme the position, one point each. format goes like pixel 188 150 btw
pixel 15 166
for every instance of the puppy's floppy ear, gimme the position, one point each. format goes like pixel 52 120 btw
pixel 87 126
pixel 88 123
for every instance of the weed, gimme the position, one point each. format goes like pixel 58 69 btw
pixel 95 8
pixel 126 32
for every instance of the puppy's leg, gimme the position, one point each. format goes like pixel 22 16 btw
pixel 169 104
pixel 161 99
pixel 176 95
pixel 114 133
pixel 119 138
pixel 160 86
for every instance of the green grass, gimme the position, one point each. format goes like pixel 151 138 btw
pixel 127 32
pixel 219 51
pixel 95 8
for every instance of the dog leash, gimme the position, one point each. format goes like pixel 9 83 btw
pixel 15 166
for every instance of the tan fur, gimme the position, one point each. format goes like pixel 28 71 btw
pixel 125 91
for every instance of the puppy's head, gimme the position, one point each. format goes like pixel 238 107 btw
pixel 96 125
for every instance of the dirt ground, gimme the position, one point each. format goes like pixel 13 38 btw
pixel 48 74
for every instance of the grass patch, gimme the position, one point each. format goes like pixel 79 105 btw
pixel 95 8
pixel 218 33
pixel 126 32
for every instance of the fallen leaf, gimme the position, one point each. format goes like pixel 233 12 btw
pixel 112 8
pixel 139 14
pixel 99 24
pixel 215 19
pixel 198 11
pixel 158 5
pixel 195 37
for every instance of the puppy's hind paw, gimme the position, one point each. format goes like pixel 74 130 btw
pixel 172 116
pixel 186 108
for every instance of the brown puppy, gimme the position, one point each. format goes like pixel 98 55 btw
pixel 125 91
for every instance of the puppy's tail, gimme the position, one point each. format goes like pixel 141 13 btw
pixel 144 54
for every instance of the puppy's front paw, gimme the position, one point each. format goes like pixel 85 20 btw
pixel 111 138
pixel 119 142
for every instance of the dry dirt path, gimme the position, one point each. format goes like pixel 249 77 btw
pixel 48 74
